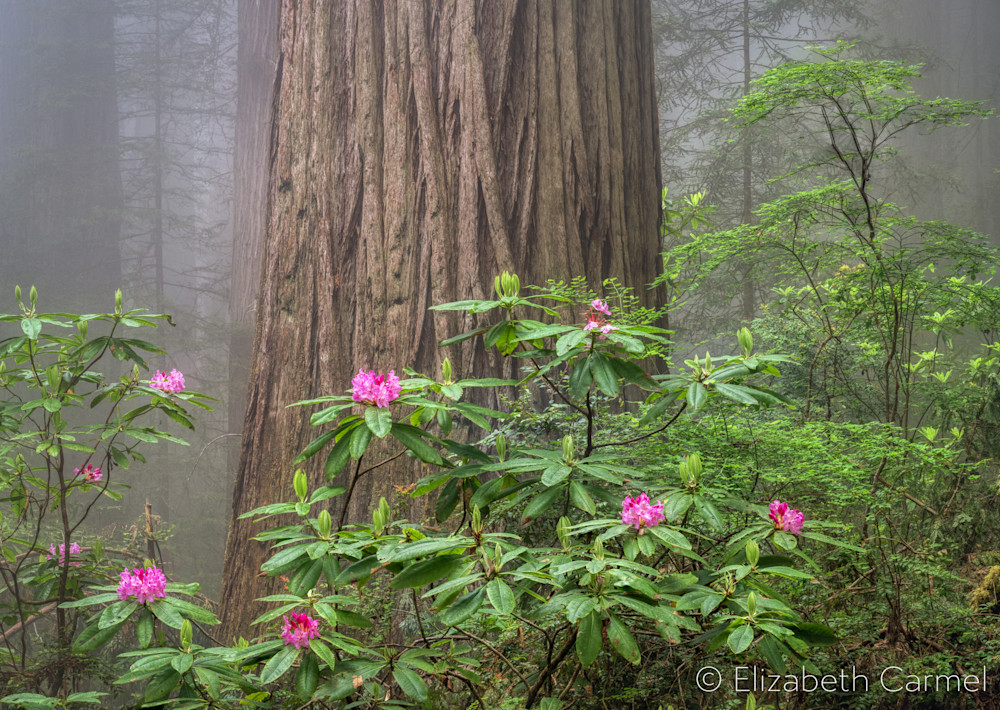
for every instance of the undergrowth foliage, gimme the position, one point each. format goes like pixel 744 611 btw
pixel 650 517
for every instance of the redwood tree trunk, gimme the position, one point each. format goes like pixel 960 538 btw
pixel 256 60
pixel 418 148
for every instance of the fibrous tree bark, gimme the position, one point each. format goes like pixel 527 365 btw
pixel 417 148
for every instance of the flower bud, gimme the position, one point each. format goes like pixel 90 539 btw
pixel 446 370
pixel 752 603
pixel 598 549
pixel 300 483
pixel 324 522
pixel 497 557
pixel 562 531
pixel 501 447
pixel 34 297
pixel 17 292
pixel 753 553
pixel 477 520
pixel 186 635
pixel 694 466
pixel 567 447
pixel 118 301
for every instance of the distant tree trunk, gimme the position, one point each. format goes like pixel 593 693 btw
pixel 256 62
pixel 60 186
pixel 418 148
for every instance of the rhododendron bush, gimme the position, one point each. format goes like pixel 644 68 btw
pixel 563 545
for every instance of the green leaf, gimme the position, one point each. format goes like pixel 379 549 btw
pixel 421 573
pixel 604 375
pixel 580 378
pixel 412 438
pixel 463 608
pixel 708 511
pixel 500 595
pixel 284 559
pixel 735 393
pixel 161 685
pixel 815 634
pixel 31 327
pixel 421 548
pixel 209 679
pixel 696 395
pixel 314 446
pixel 323 652
pixel 338 457
pixel 117 613
pixel 540 503
pixel 622 640
pixel 741 638
pixel 410 683
pixel 279 663
pixel 570 340
pixel 182 662
pixel 94 637
pixel 555 474
pixel 144 628
pixel 192 611
pixel 379 420
pixel 832 541
pixel 784 540
pixel 88 601
pixel 166 613
pixel 307 677
pixel 589 638
pixel 579 497
pixel 359 441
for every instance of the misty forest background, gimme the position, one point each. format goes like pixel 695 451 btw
pixel 134 155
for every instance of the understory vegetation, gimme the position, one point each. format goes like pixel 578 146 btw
pixel 798 513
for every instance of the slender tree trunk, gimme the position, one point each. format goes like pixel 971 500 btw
pixel 419 147
pixel 256 62
pixel 747 215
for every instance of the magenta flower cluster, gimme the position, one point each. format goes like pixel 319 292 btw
pixel 170 384
pixel 145 584
pixel 299 629
pixel 641 512
pixel 785 518
pixel 379 390
pixel 596 320
pixel 74 549
pixel 91 472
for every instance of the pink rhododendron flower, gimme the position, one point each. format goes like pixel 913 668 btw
pixel 74 549
pixel 600 306
pixel 299 630
pixel 91 472
pixel 639 511
pixel 375 389
pixel 596 320
pixel 785 518
pixel 170 384
pixel 144 584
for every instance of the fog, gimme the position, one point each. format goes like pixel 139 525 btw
pixel 117 134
